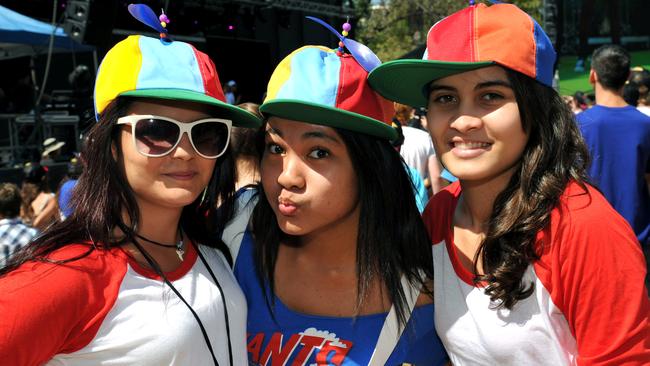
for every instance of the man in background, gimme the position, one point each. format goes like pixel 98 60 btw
pixel 230 92
pixel 618 137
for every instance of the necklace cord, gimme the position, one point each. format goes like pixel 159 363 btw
pixel 157 243
pixel 155 266
pixel 178 246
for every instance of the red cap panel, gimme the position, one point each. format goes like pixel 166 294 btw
pixel 452 39
pixel 355 94
pixel 499 38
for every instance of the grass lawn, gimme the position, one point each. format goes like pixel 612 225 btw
pixel 571 81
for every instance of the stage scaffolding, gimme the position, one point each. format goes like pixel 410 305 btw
pixel 313 7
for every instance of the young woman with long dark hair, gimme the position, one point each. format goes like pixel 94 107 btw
pixel 532 266
pixel 336 264
pixel 134 275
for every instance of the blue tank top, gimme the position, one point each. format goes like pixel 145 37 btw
pixel 286 337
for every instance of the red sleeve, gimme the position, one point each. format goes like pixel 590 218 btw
pixel 595 271
pixel 49 309
pixel 439 212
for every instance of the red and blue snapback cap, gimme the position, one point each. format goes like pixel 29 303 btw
pixel 316 85
pixel 475 37
pixel 148 67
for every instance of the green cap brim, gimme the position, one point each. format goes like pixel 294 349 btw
pixel 239 117
pixel 327 116
pixel 407 81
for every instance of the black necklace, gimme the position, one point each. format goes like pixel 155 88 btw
pixel 179 246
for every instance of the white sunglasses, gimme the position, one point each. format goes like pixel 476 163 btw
pixel 155 136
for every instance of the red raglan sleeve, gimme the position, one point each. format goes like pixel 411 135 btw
pixel 438 213
pixel 48 309
pixel 594 270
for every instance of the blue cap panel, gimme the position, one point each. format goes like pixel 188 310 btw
pixel 545 56
pixel 313 77
pixel 168 65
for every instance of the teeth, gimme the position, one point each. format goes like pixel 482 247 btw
pixel 470 145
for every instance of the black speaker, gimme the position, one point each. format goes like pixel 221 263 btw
pixel 88 21
pixel 76 19
pixel 78 10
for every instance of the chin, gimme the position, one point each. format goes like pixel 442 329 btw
pixel 469 176
pixel 290 228
pixel 465 170
pixel 180 199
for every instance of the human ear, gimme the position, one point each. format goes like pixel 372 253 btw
pixel 593 77
pixel 114 151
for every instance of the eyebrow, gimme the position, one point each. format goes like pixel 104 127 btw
pixel 307 135
pixel 490 83
pixel 273 131
pixel 483 85
pixel 320 135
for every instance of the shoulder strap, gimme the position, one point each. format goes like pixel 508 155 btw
pixel 234 231
pixel 390 331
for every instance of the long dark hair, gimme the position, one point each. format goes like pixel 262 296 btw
pixel 555 154
pixel 102 194
pixel 392 239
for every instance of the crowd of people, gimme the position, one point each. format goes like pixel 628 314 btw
pixel 28 210
pixel 450 210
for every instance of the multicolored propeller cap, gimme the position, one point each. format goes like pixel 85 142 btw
pixel 475 37
pixel 142 66
pixel 319 85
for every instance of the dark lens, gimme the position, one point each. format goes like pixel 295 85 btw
pixel 210 138
pixel 155 136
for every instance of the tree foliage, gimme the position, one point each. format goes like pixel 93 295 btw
pixel 392 28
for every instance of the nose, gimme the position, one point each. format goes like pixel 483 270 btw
pixel 465 123
pixel 292 176
pixel 184 149
pixel 467 119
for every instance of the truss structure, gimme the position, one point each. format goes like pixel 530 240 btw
pixel 302 5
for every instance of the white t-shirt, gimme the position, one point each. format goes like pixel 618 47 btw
pixel 106 309
pixel 589 305
pixel 416 150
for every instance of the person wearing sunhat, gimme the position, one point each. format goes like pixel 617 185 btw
pixel 532 266
pixel 335 263
pixel 51 150
pixel 135 276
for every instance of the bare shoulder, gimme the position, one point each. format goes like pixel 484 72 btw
pixel 426 295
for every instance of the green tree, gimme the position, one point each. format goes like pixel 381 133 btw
pixel 393 28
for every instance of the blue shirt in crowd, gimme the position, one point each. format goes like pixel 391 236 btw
pixel 619 143
pixel 65 194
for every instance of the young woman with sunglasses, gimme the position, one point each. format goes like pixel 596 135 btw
pixel 532 266
pixel 134 276
pixel 335 263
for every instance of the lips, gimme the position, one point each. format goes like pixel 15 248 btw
pixel 287 207
pixel 466 149
pixel 466 145
pixel 183 175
